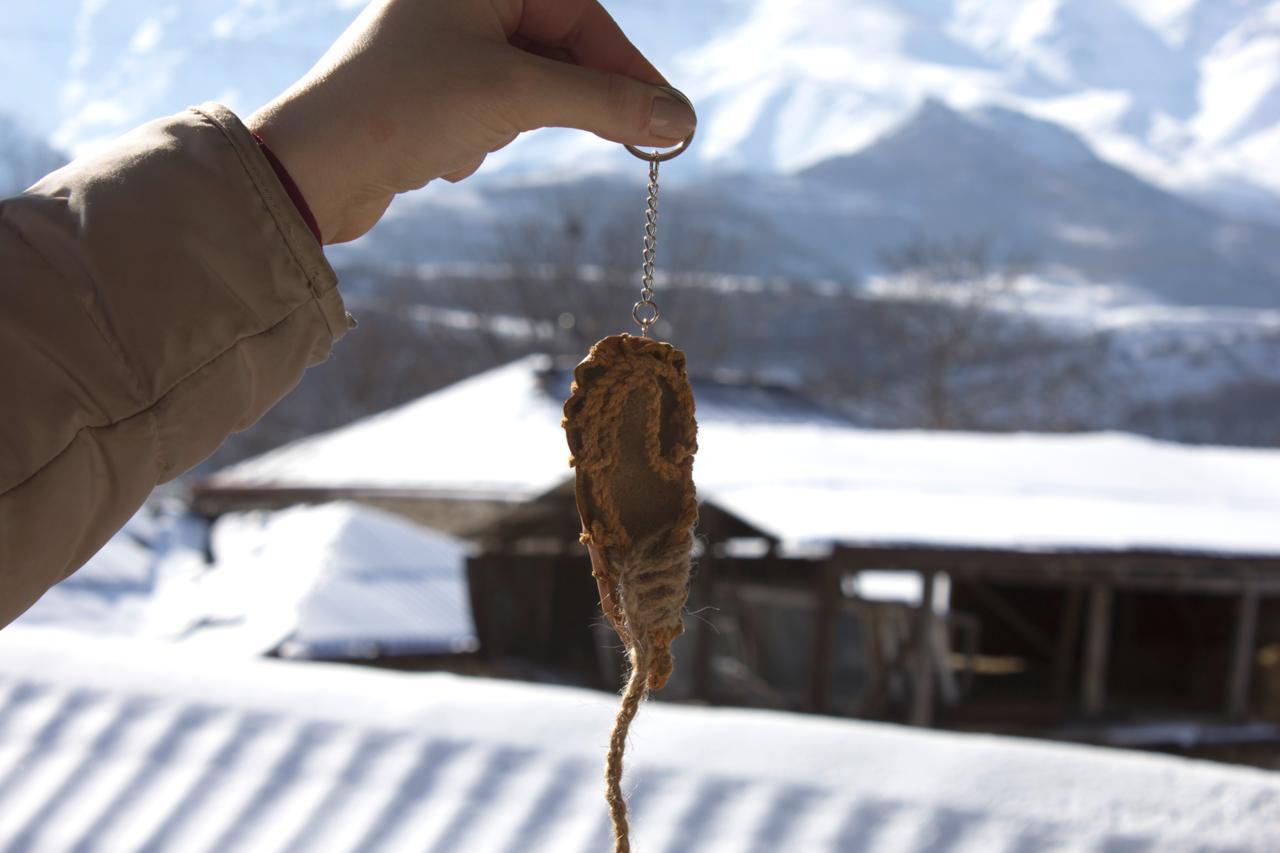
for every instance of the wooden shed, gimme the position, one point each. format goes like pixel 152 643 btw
pixel 1049 575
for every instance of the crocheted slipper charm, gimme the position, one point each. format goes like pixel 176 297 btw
pixel 632 435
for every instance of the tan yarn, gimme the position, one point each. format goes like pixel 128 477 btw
pixel 632 435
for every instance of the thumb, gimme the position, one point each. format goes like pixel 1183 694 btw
pixel 613 106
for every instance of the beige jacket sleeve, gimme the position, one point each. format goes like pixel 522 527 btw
pixel 154 298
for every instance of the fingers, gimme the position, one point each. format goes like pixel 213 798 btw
pixel 606 86
pixel 614 106
pixel 584 31
pixel 465 172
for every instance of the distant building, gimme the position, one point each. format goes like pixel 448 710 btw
pixel 1077 565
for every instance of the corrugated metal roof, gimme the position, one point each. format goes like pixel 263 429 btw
pixel 119 746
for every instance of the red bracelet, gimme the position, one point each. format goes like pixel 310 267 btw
pixel 291 188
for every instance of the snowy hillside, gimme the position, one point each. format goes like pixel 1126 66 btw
pixel 1186 94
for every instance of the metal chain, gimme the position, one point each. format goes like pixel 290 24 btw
pixel 645 312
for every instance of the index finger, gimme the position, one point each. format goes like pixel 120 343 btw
pixel 588 34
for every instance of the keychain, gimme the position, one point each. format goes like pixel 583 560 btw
pixel 632 435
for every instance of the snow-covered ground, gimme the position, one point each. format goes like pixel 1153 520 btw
pixel 111 745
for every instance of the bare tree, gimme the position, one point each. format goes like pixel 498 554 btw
pixel 948 343
pixel 576 268
pixel 945 292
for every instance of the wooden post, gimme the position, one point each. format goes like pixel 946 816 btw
pixel 827 589
pixel 479 575
pixel 705 583
pixel 1097 649
pixel 544 604
pixel 1242 654
pixel 1062 659
pixel 922 694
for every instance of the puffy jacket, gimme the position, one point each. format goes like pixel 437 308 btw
pixel 154 298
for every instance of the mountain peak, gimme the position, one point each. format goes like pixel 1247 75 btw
pixel 936 126
pixel 1186 95
pixel 1046 141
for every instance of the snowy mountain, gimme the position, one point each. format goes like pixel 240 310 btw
pixel 1185 93
pixel 1032 189
pixel 1042 194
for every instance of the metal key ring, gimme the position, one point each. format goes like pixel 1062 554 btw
pixel 664 156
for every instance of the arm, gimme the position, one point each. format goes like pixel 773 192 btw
pixel 166 292
pixel 154 298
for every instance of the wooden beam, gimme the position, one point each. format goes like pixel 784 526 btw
pixel 922 669
pixel 1097 648
pixel 1161 571
pixel 827 590
pixel 1246 631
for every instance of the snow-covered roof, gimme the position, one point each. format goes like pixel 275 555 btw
pixel 334 580
pixel 1089 491
pixel 495 435
pixel 807 478
pixel 114 592
pixel 119 745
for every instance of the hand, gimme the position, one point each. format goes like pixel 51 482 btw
pixel 421 89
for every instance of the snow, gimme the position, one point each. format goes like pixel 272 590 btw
pixel 156 551
pixel 495 436
pixel 128 746
pixel 110 594
pixel 810 482
pixel 899 587
pixel 1101 491
pixel 336 580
